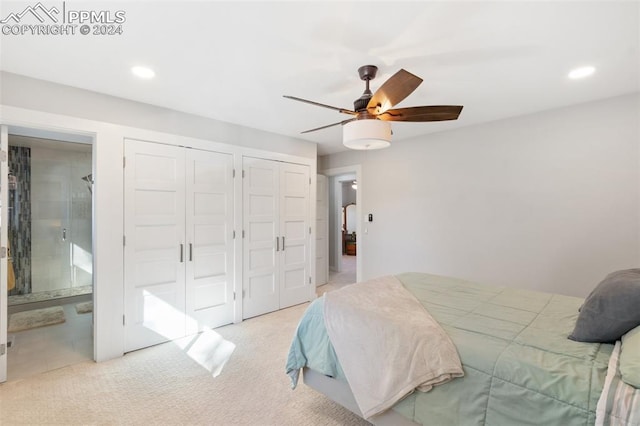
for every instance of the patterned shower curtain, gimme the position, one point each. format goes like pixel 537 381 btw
pixel 19 213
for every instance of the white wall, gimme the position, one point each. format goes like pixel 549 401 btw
pixel 25 92
pixel 36 104
pixel 548 201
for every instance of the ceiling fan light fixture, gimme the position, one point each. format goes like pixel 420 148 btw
pixel 366 134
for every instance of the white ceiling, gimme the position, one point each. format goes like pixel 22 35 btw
pixel 233 61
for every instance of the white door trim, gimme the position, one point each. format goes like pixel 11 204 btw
pixel 322 230
pixel 4 203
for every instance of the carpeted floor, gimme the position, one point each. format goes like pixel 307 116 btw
pixel 339 279
pixel 165 385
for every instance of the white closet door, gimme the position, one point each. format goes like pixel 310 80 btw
pixel 260 227
pixel 294 232
pixel 322 230
pixel 155 247
pixel 209 237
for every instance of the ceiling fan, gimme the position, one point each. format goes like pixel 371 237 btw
pixel 369 128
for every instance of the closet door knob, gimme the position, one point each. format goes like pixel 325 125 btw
pixel 181 253
pixel 190 252
pixel 277 243
pixel 282 243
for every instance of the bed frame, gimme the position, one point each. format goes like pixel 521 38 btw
pixel 340 392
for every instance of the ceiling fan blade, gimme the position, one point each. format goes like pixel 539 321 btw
pixel 422 113
pixel 395 89
pixel 329 125
pixel 343 110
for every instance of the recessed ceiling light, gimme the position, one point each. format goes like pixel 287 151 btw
pixel 582 72
pixel 143 72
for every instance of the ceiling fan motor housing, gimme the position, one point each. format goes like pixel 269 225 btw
pixel 362 102
pixel 366 73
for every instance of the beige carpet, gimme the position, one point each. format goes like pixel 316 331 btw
pixel 172 384
pixel 84 307
pixel 27 320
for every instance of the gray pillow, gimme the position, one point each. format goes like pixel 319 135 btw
pixel 612 309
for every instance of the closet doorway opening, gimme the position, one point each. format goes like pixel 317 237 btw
pixel 49 270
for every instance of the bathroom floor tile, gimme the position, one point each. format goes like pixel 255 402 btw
pixel 48 348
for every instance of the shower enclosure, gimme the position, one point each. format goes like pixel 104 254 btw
pixel 50 220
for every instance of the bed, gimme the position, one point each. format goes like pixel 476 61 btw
pixel 518 364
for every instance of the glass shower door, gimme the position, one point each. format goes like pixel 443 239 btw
pixel 50 219
pixel 61 219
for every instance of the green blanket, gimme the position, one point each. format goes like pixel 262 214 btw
pixel 519 366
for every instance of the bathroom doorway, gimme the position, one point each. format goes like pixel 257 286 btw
pixel 50 262
pixel 345 197
pixel 345 268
